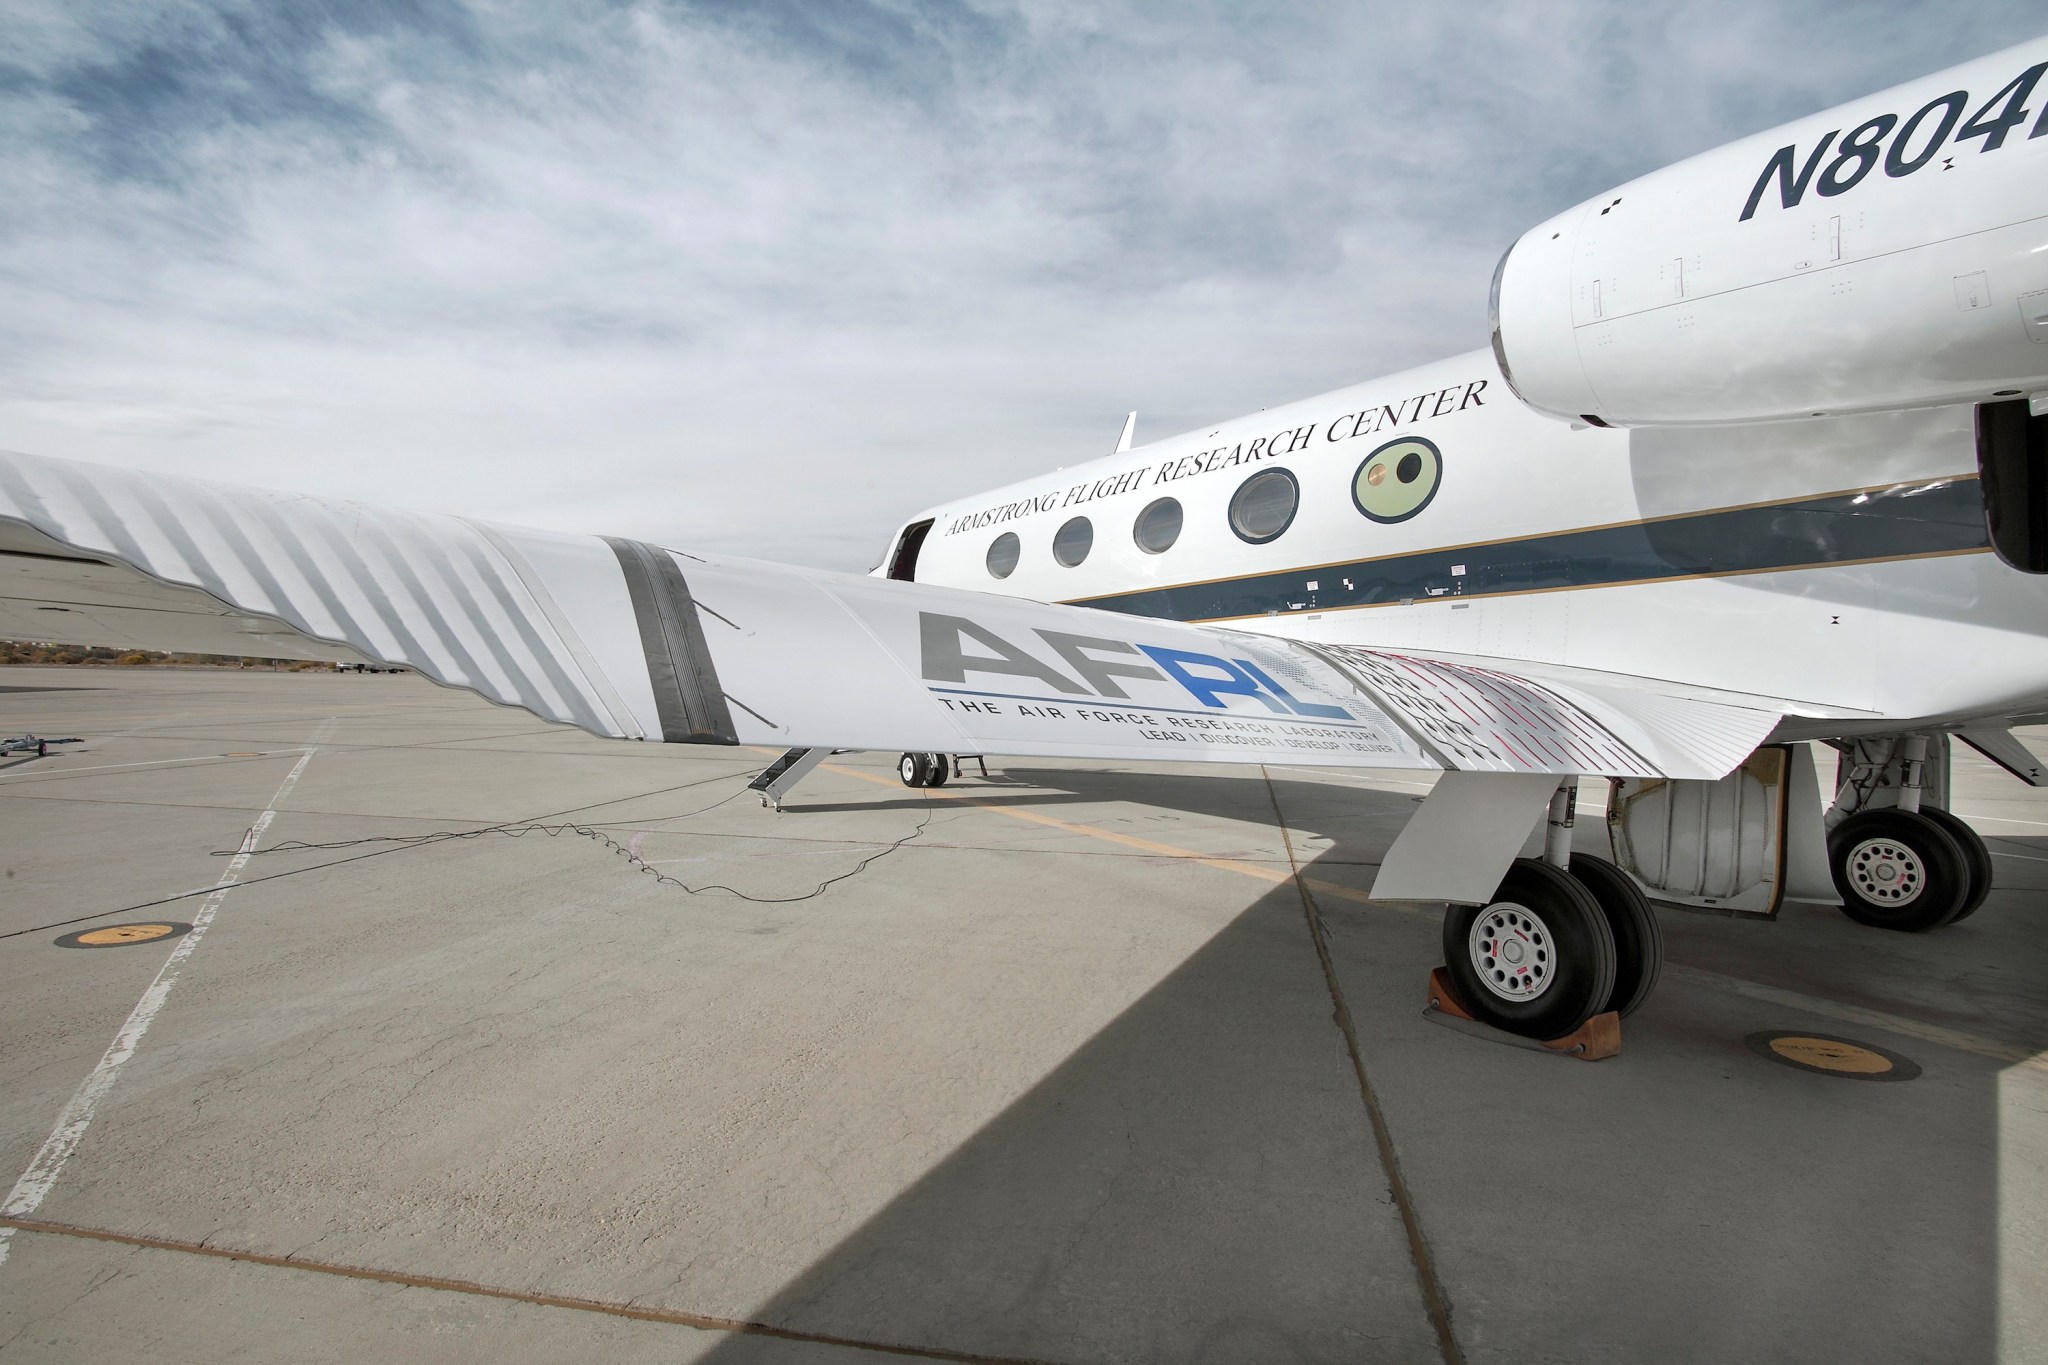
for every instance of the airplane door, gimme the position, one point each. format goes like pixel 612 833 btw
pixel 903 564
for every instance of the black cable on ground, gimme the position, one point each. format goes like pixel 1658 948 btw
pixel 520 830
pixel 400 843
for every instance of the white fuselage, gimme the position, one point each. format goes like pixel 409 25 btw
pixel 1841 564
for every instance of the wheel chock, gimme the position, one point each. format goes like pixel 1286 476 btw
pixel 1591 1041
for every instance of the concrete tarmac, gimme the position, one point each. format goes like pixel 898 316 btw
pixel 509 1043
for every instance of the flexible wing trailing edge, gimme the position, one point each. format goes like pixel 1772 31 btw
pixel 633 641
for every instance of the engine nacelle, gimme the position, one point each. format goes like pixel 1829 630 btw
pixel 1889 253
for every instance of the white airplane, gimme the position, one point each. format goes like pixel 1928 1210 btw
pixel 1757 458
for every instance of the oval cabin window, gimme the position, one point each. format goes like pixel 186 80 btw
pixel 1003 553
pixel 1158 526
pixel 1071 543
pixel 1264 505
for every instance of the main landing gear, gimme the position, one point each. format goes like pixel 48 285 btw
pixel 1908 869
pixel 1554 947
pixel 1566 937
pixel 1899 860
pixel 924 770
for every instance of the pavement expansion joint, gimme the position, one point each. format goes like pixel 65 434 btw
pixel 538 1298
pixel 1434 1299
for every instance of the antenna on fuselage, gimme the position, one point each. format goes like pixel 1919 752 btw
pixel 1123 442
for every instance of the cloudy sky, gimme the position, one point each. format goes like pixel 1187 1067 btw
pixel 768 278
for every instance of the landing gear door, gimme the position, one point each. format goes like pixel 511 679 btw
pixel 1712 845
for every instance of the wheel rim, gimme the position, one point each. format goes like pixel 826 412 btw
pixel 907 766
pixel 1886 872
pixel 1513 952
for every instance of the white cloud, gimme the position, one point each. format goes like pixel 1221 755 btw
pixel 770 279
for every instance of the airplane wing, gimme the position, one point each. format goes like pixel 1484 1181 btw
pixel 634 641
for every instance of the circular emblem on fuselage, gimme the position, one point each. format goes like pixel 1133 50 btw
pixel 1398 480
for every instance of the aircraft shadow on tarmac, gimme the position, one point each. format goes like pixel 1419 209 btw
pixel 1200 1180
pixel 916 801
pixel 1227 797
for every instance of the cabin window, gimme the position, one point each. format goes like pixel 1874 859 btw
pixel 1397 480
pixel 2012 465
pixel 1071 543
pixel 1003 553
pixel 1158 526
pixel 1263 505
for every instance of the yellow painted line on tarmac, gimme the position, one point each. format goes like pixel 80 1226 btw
pixel 45 774
pixel 1272 876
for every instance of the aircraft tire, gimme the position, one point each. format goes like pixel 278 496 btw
pixel 1975 855
pixel 942 768
pixel 1897 869
pixel 1638 937
pixel 915 770
pixel 1563 972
